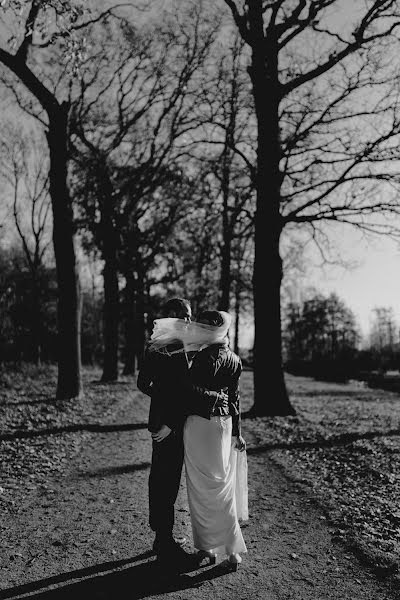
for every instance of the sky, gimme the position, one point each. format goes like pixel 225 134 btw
pixel 373 282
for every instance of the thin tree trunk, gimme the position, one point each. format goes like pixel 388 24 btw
pixel 268 227
pixel 69 383
pixel 110 320
pixel 111 287
pixel 130 323
pixel 225 281
pixel 140 321
pixel 37 322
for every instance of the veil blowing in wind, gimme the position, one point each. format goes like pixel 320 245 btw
pixel 189 337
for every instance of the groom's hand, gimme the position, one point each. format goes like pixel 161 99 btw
pixel 161 434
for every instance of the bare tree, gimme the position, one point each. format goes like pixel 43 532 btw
pixel 144 234
pixel 383 334
pixel 320 328
pixel 327 119
pixel 32 33
pixel 24 166
pixel 44 49
pixel 233 118
pixel 222 143
pixel 191 258
pixel 135 107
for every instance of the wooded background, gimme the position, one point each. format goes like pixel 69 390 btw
pixel 192 149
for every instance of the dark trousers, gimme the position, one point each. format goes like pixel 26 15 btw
pixel 164 481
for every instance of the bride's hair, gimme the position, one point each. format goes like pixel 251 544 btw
pixel 212 317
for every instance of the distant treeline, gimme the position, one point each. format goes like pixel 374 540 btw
pixel 322 340
pixel 28 315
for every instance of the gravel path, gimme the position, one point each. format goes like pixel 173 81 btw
pixel 85 534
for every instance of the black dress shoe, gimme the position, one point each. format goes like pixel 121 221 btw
pixel 176 560
pixel 171 549
pixel 170 543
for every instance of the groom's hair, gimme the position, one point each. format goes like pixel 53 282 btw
pixel 175 306
pixel 213 317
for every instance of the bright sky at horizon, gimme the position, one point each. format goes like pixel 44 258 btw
pixel 373 282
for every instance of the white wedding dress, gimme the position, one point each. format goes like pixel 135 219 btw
pixel 216 480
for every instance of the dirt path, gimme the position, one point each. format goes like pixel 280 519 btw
pixel 86 535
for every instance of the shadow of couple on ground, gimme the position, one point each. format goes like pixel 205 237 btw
pixel 118 579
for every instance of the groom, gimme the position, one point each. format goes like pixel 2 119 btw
pixel 164 377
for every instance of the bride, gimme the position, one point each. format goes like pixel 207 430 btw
pixel 215 457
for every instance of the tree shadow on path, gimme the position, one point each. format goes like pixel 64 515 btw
pixel 117 579
pixel 74 427
pixel 333 441
pixel 114 470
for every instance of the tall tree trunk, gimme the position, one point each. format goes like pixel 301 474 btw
pixel 130 324
pixel 110 320
pixel 69 383
pixel 268 225
pixel 110 278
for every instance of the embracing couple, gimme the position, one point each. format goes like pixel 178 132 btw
pixel 192 377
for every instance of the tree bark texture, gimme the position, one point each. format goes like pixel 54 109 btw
pixel 111 287
pixel 270 397
pixel 69 383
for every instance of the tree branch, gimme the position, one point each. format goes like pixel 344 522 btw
pixel 22 51
pixel 333 60
pixel 31 82
pixel 240 21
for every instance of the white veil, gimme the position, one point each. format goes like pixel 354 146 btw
pixel 188 336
